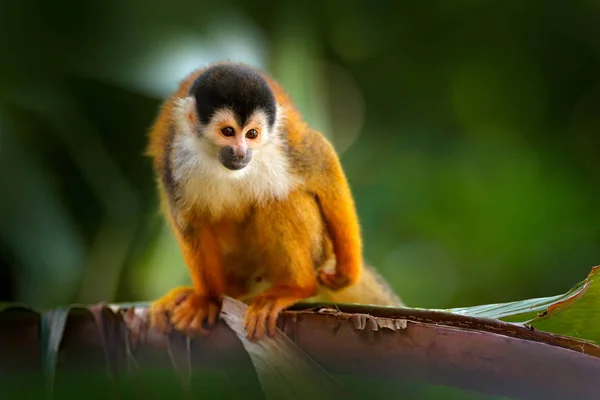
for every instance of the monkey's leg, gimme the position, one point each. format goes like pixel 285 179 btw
pixel 264 310
pixel 293 280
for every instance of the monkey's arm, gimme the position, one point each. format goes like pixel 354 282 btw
pixel 188 307
pixel 337 205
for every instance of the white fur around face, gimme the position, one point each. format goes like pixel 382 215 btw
pixel 208 186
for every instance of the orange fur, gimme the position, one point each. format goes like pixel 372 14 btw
pixel 281 243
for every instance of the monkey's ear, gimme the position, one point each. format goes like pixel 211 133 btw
pixel 186 113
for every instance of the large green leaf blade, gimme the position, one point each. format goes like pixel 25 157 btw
pixel 575 313
pixel 579 318
pixel 514 311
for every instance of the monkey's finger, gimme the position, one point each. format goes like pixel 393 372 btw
pixel 195 327
pixel 333 281
pixel 158 315
pixel 323 278
pixel 181 296
pixel 174 298
pixel 213 313
pixel 183 315
pixel 183 321
pixel 196 321
pixel 326 278
pixel 159 320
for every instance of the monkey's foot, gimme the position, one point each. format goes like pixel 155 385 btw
pixel 161 309
pixel 262 313
pixel 183 309
pixel 333 281
pixel 189 315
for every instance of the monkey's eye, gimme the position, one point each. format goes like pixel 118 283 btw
pixel 252 134
pixel 228 131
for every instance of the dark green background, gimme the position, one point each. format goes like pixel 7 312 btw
pixel 469 131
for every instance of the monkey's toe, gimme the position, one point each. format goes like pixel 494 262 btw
pixel 255 320
pixel 261 316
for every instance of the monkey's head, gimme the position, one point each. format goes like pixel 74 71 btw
pixel 231 109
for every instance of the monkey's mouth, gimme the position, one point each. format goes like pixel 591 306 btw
pixel 235 165
pixel 232 161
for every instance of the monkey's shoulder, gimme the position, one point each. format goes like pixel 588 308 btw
pixel 311 155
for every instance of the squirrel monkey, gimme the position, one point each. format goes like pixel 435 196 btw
pixel 258 202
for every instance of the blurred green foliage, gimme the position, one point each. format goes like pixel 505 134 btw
pixel 469 131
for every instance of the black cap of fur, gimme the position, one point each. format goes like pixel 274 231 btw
pixel 236 86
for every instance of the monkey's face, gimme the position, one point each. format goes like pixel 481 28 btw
pixel 235 142
pixel 226 136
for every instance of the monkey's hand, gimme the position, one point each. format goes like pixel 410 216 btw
pixel 161 309
pixel 185 309
pixel 335 280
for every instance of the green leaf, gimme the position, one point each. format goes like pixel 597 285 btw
pixel 578 316
pixel 575 313
pixel 52 328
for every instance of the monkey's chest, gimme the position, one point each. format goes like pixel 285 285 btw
pixel 240 249
pixel 229 235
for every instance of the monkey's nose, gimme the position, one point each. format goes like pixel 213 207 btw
pixel 239 153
